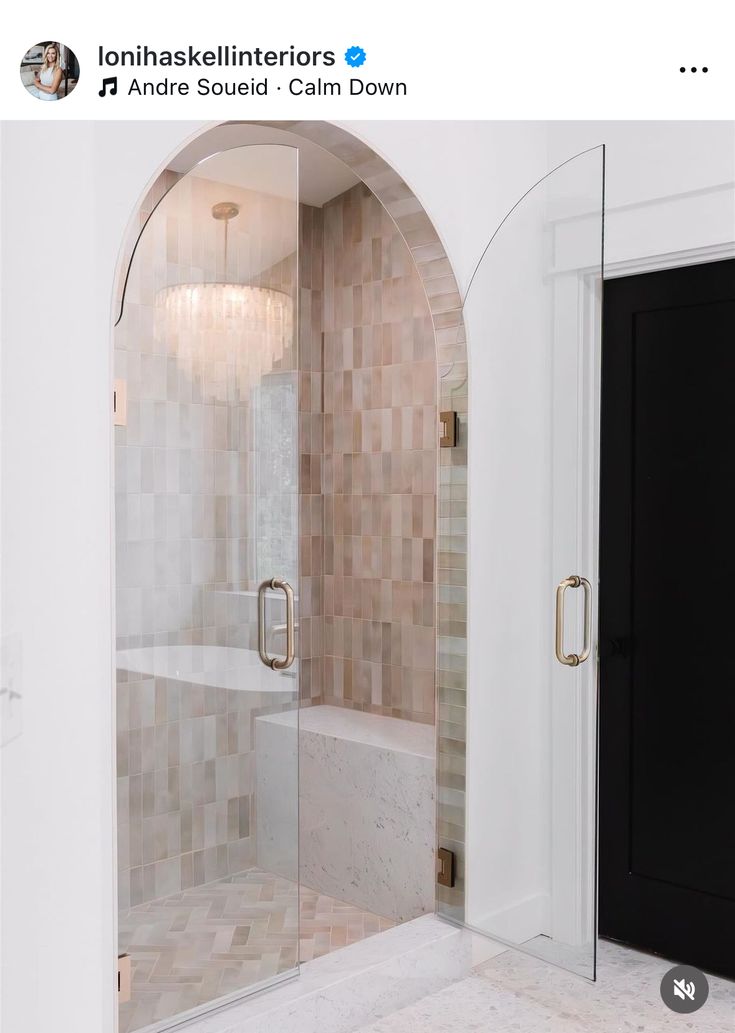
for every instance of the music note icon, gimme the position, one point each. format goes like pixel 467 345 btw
pixel 111 81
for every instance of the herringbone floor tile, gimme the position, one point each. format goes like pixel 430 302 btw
pixel 196 946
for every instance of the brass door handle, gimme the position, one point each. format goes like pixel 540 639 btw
pixel 573 659
pixel 271 661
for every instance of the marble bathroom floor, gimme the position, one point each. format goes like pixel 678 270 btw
pixel 196 946
pixel 513 993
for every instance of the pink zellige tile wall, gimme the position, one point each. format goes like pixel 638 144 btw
pixel 377 469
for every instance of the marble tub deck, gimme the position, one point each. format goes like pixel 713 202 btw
pixel 513 992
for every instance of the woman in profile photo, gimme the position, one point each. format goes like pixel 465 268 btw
pixel 48 77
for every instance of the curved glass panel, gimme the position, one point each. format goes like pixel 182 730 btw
pixel 532 316
pixel 206 471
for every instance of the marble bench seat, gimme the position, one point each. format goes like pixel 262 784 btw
pixel 367 807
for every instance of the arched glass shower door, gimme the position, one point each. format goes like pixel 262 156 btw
pixel 206 483
pixel 532 315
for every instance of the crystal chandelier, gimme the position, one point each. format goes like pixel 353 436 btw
pixel 231 333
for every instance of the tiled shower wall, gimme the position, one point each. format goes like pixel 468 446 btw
pixel 368 433
pixel 445 304
pixel 195 489
pixel 311 455
pixel 185 785
pixel 379 466
pixel 367 491
pixel 193 480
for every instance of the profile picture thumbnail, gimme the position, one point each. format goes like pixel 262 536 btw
pixel 49 70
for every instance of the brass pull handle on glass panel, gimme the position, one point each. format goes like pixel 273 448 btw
pixel 271 661
pixel 573 659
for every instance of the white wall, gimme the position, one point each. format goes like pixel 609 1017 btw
pixel 62 225
pixel 55 804
pixel 57 777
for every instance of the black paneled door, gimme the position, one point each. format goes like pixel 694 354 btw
pixel 667 614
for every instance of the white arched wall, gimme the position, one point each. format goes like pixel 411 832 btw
pixel 57 849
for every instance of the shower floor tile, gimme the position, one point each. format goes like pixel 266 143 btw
pixel 196 946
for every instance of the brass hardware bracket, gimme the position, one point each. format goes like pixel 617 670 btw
pixel 120 403
pixel 445 867
pixel 124 978
pixel 448 429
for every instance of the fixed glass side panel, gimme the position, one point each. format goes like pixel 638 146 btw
pixel 206 508
pixel 532 315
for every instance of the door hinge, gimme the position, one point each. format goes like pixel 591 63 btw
pixel 445 864
pixel 448 429
pixel 124 978
pixel 120 403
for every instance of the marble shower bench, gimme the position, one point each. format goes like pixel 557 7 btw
pixel 367 807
